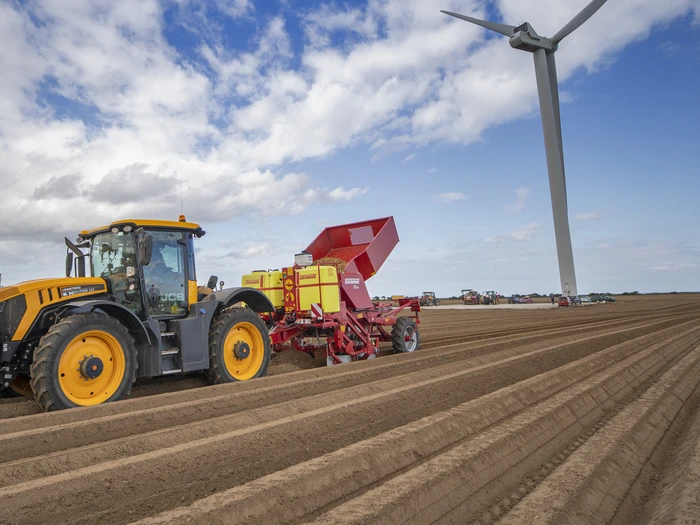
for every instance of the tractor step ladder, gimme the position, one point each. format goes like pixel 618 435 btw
pixel 170 358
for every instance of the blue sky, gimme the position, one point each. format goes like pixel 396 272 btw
pixel 282 117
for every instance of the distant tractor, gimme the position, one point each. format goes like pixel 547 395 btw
pixel 470 296
pixel 429 299
pixel 520 299
pixel 490 297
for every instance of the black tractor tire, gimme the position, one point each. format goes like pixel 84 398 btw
pixel 404 326
pixel 437 302
pixel 44 371
pixel 248 323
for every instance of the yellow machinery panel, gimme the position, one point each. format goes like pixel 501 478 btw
pixel 319 285
pixel 269 283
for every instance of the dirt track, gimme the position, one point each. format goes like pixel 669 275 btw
pixel 587 415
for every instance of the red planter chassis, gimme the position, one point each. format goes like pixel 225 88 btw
pixel 356 330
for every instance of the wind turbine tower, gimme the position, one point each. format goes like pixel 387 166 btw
pixel 525 38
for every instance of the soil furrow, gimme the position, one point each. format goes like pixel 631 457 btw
pixel 23 470
pixel 328 479
pixel 573 415
pixel 600 473
pixel 432 338
pixel 677 500
pixel 149 491
pixel 19 445
pixel 453 480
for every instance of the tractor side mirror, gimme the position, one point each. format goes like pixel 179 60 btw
pixel 211 283
pixel 69 263
pixel 146 250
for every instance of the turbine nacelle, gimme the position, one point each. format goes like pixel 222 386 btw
pixel 526 38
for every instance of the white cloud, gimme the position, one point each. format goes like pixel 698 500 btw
pixel 525 233
pixel 235 8
pixel 672 266
pixel 94 99
pixel 521 195
pixel 520 234
pixel 668 48
pixel 432 170
pixel 410 157
pixel 340 194
pixel 451 196
pixel 249 251
pixel 590 216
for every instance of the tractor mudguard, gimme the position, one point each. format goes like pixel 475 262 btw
pixel 142 336
pixel 254 299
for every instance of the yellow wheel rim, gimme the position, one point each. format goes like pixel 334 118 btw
pixel 244 334
pixel 105 357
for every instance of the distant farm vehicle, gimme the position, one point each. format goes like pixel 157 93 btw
pixel 322 304
pixel 517 299
pixel 429 299
pixel 470 296
pixel 602 299
pixel 489 297
pixel 569 301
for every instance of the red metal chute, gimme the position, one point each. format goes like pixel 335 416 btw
pixel 363 246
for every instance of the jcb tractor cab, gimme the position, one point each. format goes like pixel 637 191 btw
pixel 80 341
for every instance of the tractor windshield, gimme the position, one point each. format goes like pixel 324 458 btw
pixel 113 253
pixel 113 257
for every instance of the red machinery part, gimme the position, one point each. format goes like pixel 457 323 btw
pixel 358 249
pixel 364 246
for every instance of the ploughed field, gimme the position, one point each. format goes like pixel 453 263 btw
pixel 581 415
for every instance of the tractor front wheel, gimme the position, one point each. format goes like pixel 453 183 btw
pixel 404 336
pixel 84 360
pixel 239 347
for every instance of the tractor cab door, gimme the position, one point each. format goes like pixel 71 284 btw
pixel 165 276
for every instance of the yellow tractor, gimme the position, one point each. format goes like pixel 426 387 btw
pixel 81 341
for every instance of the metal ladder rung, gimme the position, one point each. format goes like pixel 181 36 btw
pixel 174 371
pixel 170 351
pixel 167 334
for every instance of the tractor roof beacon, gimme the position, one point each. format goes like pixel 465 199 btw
pixel 133 310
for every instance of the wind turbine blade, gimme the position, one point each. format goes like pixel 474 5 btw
pixel 493 26
pixel 554 88
pixel 576 21
pixel 555 170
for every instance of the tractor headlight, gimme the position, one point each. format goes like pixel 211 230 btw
pixel 11 313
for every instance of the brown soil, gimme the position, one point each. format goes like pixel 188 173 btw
pixel 294 361
pixel 538 416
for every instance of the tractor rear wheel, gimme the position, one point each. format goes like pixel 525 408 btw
pixel 239 347
pixel 84 360
pixel 404 336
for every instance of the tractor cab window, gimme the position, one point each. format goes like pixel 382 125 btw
pixel 165 275
pixel 113 257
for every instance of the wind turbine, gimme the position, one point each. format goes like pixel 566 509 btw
pixel 525 38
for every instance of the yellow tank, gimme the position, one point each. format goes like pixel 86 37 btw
pixel 269 283
pixel 319 285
